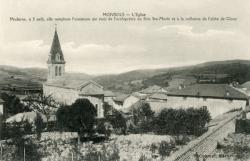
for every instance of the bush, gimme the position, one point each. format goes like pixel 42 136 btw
pixel 15 129
pixel 118 121
pixel 166 148
pixel 181 140
pixel 182 121
pixel 104 127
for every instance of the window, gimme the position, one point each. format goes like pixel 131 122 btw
pixel 58 57
pixel 56 70
pixel 60 71
pixel 204 99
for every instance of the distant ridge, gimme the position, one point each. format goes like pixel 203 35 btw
pixel 239 70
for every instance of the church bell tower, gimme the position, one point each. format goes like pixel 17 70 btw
pixel 56 63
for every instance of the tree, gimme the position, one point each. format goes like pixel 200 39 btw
pixel 80 116
pixel 39 125
pixel 63 118
pixel 42 103
pixel 118 121
pixel 143 117
pixel 13 104
pixel 83 115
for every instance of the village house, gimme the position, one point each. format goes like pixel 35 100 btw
pixel 109 97
pixel 124 101
pixel 157 101
pixel 67 91
pixel 218 98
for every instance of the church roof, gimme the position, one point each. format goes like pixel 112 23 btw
pixel 77 85
pixel 56 49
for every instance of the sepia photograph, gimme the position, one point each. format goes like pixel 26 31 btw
pixel 127 80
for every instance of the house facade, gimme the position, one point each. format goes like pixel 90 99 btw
pixel 67 91
pixel 218 98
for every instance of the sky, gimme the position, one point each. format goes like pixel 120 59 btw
pixel 115 47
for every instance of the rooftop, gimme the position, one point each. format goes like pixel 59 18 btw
pixel 76 85
pixel 159 96
pixel 56 50
pixel 223 91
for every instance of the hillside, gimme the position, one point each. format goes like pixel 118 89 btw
pixel 30 77
pixel 235 70
pixel 232 70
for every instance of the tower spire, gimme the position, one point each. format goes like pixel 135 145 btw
pixel 55 50
pixel 56 63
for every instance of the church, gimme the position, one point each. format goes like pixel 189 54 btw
pixel 64 90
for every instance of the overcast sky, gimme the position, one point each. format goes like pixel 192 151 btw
pixel 113 47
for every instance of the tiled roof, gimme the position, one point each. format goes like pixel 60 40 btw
pixel 56 49
pixel 159 96
pixel 223 91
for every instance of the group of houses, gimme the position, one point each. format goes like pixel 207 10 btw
pixel 218 98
